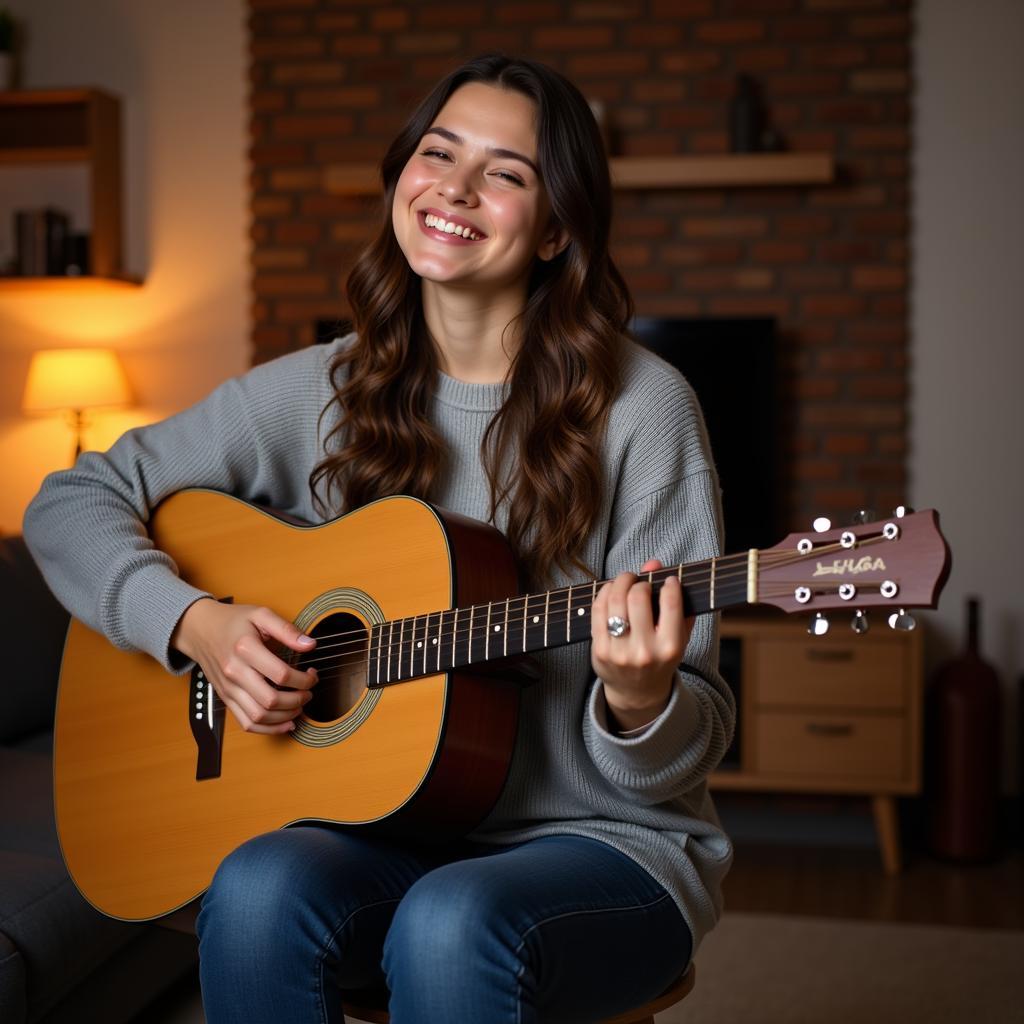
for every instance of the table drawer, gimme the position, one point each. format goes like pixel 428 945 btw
pixel 829 745
pixel 830 673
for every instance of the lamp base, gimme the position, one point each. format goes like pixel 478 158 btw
pixel 77 425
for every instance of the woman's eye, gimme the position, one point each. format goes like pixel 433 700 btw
pixel 510 177
pixel 435 152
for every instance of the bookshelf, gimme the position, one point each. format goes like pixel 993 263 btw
pixel 72 126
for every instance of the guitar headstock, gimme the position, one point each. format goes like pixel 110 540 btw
pixel 896 563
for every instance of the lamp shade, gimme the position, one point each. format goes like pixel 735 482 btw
pixel 74 378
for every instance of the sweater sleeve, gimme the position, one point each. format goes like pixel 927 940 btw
pixel 86 528
pixel 673 514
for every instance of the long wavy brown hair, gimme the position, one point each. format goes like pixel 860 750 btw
pixel 562 379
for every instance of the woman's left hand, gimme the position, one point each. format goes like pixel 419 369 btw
pixel 637 667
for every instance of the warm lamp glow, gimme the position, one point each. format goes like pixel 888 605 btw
pixel 73 380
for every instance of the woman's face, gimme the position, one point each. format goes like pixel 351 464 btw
pixel 470 208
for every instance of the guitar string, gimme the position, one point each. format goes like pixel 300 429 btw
pixel 402 651
pixel 554 607
pixel 353 658
pixel 359 644
pixel 360 641
pixel 562 603
pixel 445 638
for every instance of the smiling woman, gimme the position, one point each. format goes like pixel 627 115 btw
pixel 476 171
pixel 490 373
pixel 511 151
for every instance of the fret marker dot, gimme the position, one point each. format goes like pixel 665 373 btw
pixel 434 641
pixel 579 611
pixel 497 629
pixel 536 618
pixel 419 643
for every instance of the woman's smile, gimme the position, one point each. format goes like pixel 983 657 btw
pixel 449 228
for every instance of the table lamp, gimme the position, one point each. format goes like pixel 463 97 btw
pixel 73 380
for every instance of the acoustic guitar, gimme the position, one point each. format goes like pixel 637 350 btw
pixel 413 721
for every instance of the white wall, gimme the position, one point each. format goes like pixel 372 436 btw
pixel 180 71
pixel 967 405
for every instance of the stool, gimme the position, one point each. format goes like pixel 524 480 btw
pixel 357 1008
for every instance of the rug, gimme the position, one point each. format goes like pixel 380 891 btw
pixel 770 969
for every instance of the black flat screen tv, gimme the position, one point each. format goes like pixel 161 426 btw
pixel 731 365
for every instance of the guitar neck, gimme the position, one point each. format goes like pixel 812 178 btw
pixel 403 649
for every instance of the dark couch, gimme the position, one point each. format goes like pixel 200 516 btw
pixel 60 960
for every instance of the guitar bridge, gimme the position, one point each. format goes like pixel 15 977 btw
pixel 206 718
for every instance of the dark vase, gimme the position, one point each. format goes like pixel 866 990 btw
pixel 745 117
pixel 963 769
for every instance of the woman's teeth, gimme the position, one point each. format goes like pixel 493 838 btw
pixel 449 228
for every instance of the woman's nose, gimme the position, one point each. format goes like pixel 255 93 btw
pixel 457 187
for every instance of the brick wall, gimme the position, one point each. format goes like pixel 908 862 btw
pixel 332 80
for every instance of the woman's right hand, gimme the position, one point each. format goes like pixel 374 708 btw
pixel 228 641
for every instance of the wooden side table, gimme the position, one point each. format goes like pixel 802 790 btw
pixel 838 714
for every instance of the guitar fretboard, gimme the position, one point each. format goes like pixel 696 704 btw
pixel 403 649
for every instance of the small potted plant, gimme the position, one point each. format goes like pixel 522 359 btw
pixel 7 35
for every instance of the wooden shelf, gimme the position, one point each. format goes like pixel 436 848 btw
pixel 725 171
pixel 738 170
pixel 77 285
pixel 44 97
pixel 64 126
pixel 45 155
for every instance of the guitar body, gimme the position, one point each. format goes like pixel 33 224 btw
pixel 142 836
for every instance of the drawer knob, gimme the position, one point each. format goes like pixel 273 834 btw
pixel 830 654
pixel 830 728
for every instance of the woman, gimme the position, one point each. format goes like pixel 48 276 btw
pixel 490 373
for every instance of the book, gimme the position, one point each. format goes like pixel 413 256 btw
pixel 41 239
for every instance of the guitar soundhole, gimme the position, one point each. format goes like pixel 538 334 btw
pixel 340 658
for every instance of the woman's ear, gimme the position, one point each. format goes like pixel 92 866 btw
pixel 554 242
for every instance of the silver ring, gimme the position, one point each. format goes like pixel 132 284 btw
pixel 617 626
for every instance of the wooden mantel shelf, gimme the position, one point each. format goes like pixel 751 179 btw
pixel 87 284
pixel 652 172
pixel 722 171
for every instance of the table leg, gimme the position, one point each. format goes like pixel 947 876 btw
pixel 888 827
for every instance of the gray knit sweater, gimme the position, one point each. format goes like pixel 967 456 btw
pixel 257 437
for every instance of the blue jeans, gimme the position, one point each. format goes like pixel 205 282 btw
pixel 557 929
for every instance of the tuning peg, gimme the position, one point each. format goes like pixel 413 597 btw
pixel 902 620
pixel 818 626
pixel 902 510
pixel 864 515
pixel 822 524
pixel 860 623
